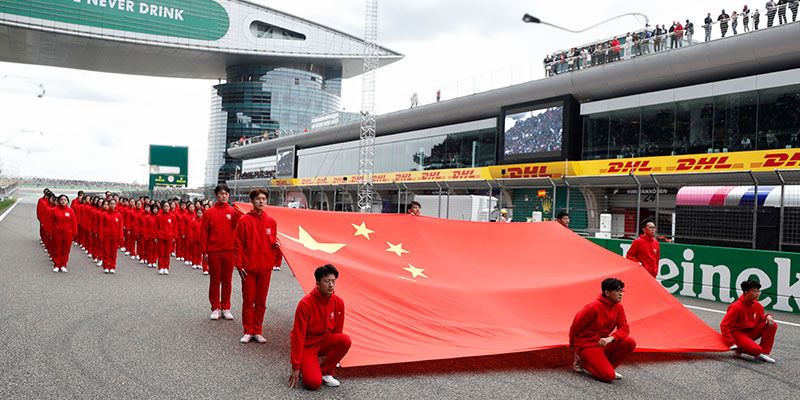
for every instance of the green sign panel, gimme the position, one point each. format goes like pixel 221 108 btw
pixel 195 19
pixel 714 273
pixel 169 166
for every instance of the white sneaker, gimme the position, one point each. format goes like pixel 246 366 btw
pixel 122 249
pixel 160 271
pixel 227 315
pixel 55 269
pixel 765 358
pixel 329 380
pixel 260 339
pixel 215 315
pixel 205 272
pixel 142 261
pixel 138 257
pixel 63 269
pixel 100 263
pixel 133 258
pixel 188 262
pixel 245 339
pixel 112 271
pixel 276 268
pixel 617 375
pixel 166 271
pixel 105 271
pixel 127 253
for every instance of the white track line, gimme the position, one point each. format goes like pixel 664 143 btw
pixel 723 312
pixel 9 209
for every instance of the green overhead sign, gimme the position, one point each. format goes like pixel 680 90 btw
pixel 169 166
pixel 195 19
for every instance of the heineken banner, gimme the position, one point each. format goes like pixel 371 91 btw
pixel 714 273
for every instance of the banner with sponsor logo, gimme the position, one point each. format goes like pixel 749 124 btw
pixel 714 273
pixel 458 174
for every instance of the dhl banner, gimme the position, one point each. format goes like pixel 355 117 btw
pixel 763 160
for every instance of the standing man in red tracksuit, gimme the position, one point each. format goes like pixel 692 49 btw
pixel 645 249
pixel 64 225
pixel 40 206
pixel 254 255
pixel 745 322
pixel 599 334
pixel 317 332
pixel 216 243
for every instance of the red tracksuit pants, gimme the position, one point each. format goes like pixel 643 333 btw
pixel 220 270
pixel 61 248
pixel 150 251
pixel 254 301
pixel 601 362
pixel 110 253
pixel 164 250
pixel 746 339
pixel 333 348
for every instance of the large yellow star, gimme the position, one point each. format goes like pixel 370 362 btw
pixel 397 249
pixel 362 230
pixel 415 272
pixel 310 243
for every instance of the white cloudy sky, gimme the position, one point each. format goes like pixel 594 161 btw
pixel 99 125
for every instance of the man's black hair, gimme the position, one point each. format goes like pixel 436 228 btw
pixel 611 284
pixel 644 224
pixel 80 192
pixel 221 187
pixel 324 271
pixel 562 215
pixel 750 284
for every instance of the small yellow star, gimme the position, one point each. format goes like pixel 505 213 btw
pixel 362 230
pixel 415 272
pixel 397 249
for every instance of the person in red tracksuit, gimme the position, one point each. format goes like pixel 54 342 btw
pixel 110 234
pixel 254 255
pixel 745 322
pixel 165 236
pixel 192 238
pixel 645 249
pixel 64 226
pixel 317 332
pixel 40 204
pixel 47 213
pixel 180 239
pixel 600 334
pixel 149 233
pixel 76 205
pixel 216 243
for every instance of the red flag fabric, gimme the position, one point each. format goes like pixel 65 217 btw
pixel 420 288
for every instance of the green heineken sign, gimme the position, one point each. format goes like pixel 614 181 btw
pixel 714 273
pixel 195 19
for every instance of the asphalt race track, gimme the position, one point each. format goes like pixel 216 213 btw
pixel 137 334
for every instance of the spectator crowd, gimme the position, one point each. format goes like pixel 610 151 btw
pixel 659 38
pixel 538 133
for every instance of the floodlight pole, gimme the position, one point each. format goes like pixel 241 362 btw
pixel 533 20
pixel 366 146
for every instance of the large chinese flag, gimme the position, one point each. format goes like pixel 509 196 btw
pixel 420 288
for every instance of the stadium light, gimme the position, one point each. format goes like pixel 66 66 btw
pixel 530 19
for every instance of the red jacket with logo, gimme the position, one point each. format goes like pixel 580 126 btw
pixel 596 321
pixel 64 221
pixel 111 223
pixel 165 226
pixel 742 315
pixel 255 237
pixel 316 317
pixel 645 250
pixel 217 228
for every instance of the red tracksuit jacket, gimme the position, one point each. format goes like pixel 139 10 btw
pixel 110 225
pixel 316 317
pixel 149 226
pixel 596 321
pixel 217 228
pixel 40 205
pixel 165 226
pixel 645 250
pixel 64 221
pixel 741 316
pixel 254 239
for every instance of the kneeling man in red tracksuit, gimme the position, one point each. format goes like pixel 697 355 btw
pixel 599 348
pixel 317 332
pixel 255 252
pixel 745 322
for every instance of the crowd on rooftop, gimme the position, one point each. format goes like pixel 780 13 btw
pixel 657 38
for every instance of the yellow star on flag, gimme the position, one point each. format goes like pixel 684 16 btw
pixel 397 249
pixel 310 243
pixel 415 272
pixel 362 230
